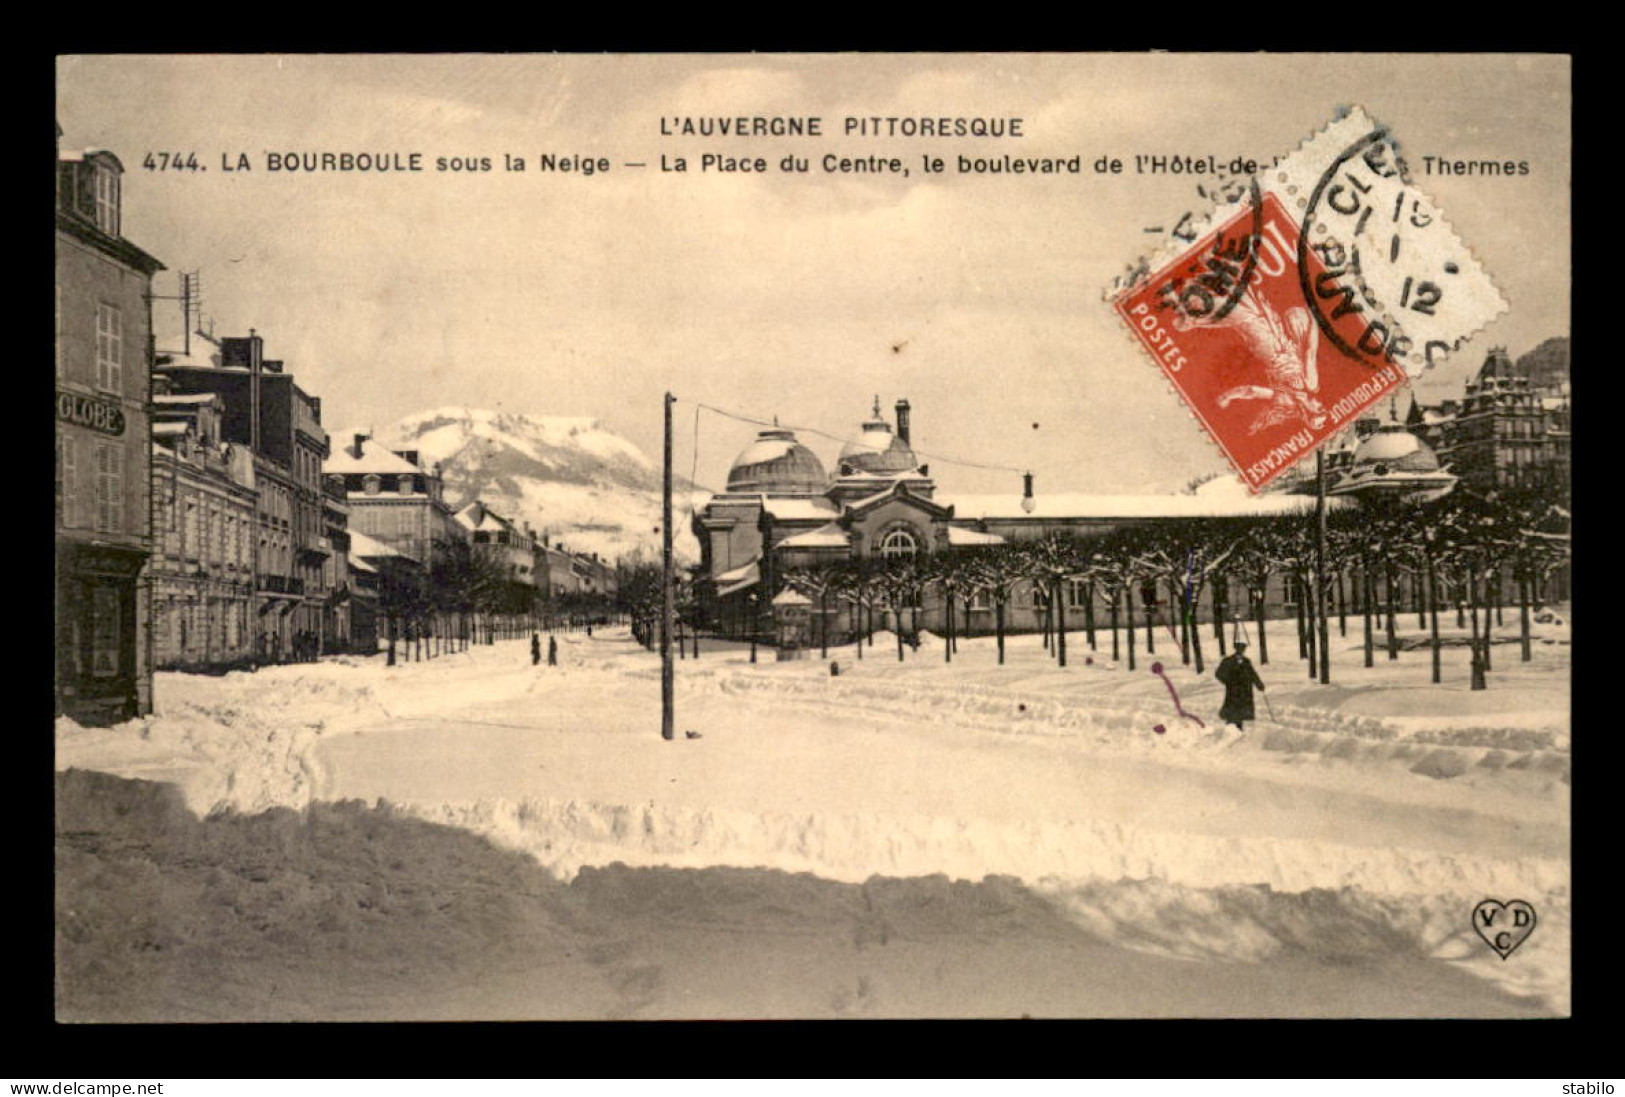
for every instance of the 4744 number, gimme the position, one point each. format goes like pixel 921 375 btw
pixel 171 161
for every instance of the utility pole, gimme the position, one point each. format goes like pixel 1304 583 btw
pixel 1320 567
pixel 668 591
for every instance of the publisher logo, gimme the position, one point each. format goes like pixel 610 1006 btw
pixel 1504 926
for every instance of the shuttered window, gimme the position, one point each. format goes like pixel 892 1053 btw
pixel 109 349
pixel 109 488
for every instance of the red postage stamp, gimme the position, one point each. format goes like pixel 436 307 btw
pixel 1312 290
pixel 1228 323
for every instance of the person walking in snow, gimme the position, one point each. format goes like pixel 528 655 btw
pixel 535 648
pixel 552 651
pixel 1240 677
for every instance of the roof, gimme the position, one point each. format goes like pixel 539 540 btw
pixel 739 578
pixel 801 509
pixel 959 535
pixel 371 548
pixel 170 430
pixel 1055 506
pixel 186 399
pixel 789 596
pixel 358 564
pixel 829 535
pixel 375 457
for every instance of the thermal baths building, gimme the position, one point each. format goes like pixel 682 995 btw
pixel 783 511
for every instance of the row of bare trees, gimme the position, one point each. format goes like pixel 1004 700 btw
pixel 464 596
pixel 1460 553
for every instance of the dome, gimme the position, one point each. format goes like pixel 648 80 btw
pixel 777 462
pixel 1397 449
pixel 878 450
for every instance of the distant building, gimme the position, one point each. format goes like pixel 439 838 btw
pixel 394 498
pixel 202 567
pixel 103 445
pixel 1506 431
pixel 509 550
pixel 395 502
pixel 781 512
pixel 282 425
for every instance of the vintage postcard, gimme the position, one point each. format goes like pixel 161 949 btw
pixel 576 537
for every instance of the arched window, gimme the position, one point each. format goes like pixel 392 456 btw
pixel 899 542
pixel 404 485
pixel 372 484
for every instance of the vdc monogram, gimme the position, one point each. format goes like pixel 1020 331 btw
pixel 1504 926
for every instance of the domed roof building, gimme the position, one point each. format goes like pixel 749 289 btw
pixel 877 450
pixel 777 462
pixel 1391 464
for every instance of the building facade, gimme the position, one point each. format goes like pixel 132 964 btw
pixel 103 447
pixel 782 513
pixel 266 411
pixel 202 568
pixel 1506 431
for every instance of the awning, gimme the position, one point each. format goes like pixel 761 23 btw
pixel 731 582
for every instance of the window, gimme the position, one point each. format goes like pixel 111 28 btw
pixel 104 631
pixel 109 488
pixel 67 481
pixel 1077 593
pixel 372 484
pixel 109 349
pixel 898 542
pixel 107 187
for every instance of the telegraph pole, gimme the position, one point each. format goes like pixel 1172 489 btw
pixel 1320 567
pixel 668 593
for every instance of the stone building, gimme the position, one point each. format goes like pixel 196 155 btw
pixel 281 425
pixel 202 568
pixel 103 446
pixel 394 501
pixel 1506 431
pixel 509 550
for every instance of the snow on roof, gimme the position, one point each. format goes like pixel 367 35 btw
pixel 371 548
pixel 789 596
pixel 186 399
pixel 357 563
pixel 958 535
pixel 170 430
pixel 829 535
pixel 737 573
pixel 374 458
pixel 802 509
pixel 1071 505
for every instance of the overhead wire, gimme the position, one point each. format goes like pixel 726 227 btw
pixel 843 438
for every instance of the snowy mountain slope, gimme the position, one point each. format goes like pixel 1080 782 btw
pixel 571 477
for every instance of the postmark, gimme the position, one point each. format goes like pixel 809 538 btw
pixel 1504 926
pixel 1305 296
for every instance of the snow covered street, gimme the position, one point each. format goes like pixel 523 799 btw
pixel 1061 812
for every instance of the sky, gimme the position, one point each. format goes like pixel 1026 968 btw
pixel 979 298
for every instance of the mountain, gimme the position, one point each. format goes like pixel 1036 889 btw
pixel 584 485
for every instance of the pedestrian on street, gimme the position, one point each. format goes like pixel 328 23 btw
pixel 552 651
pixel 1240 677
pixel 535 648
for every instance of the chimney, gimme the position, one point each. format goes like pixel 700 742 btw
pixel 359 438
pixel 902 421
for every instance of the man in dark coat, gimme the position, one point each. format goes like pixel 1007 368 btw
pixel 1239 678
pixel 535 648
pixel 552 651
